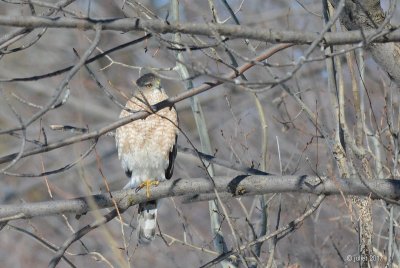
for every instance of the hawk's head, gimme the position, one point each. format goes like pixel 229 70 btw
pixel 149 81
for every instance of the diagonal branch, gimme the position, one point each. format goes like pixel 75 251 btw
pixel 141 115
pixel 286 228
pixel 50 104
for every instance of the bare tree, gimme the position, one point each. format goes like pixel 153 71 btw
pixel 289 132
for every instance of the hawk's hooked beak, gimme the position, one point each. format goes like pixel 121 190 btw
pixel 158 85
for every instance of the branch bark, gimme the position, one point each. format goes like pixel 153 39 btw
pixel 241 185
pixel 208 29
pixel 366 16
pixel 141 115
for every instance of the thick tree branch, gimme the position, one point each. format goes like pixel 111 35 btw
pixel 237 186
pixel 209 29
pixel 11 37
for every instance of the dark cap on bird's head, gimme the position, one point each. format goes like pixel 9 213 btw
pixel 148 80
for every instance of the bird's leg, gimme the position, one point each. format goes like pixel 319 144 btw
pixel 147 184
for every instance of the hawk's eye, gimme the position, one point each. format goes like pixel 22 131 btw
pixel 149 85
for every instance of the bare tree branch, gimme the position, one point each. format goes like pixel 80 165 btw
pixel 338 121
pixel 366 16
pixel 220 162
pixel 11 37
pixel 286 228
pixel 242 185
pixel 83 231
pixel 50 105
pixel 92 59
pixel 209 29
pixel 41 241
pixel 141 115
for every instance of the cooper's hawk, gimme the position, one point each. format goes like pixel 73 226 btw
pixel 147 147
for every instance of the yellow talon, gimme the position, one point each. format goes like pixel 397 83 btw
pixel 147 184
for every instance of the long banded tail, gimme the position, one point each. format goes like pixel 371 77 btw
pixel 147 216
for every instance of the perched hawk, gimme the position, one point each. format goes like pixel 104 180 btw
pixel 147 147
